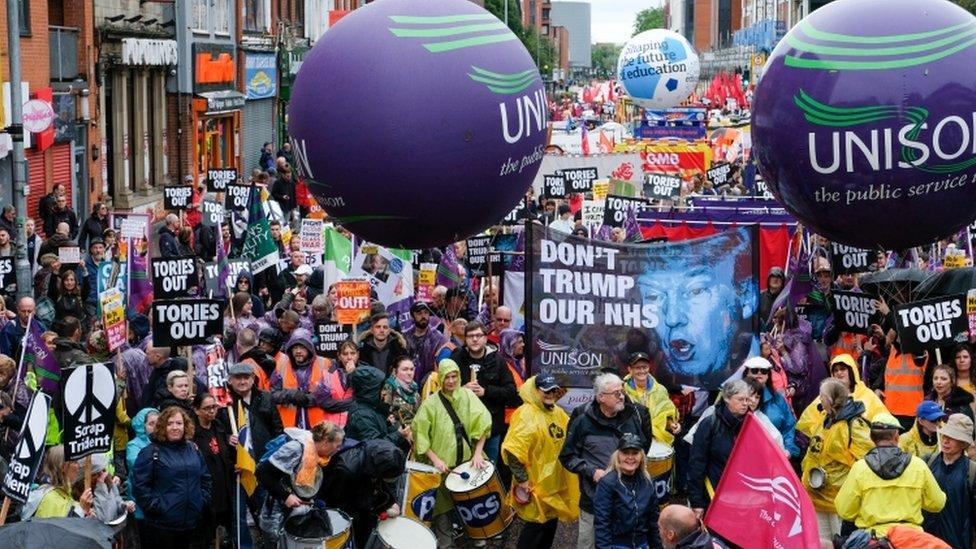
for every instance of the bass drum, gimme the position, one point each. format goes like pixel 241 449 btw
pixel 401 533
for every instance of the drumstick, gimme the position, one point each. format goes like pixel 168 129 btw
pixel 474 372
pixel 463 474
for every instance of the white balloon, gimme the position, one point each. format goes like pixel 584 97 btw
pixel 658 68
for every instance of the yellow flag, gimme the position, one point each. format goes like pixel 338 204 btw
pixel 245 461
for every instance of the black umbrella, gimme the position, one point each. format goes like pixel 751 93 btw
pixel 77 533
pixel 948 282
pixel 894 285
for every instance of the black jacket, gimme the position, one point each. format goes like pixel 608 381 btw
pixel 958 402
pixel 171 484
pixel 219 455
pixel 66 215
pixel 383 358
pixel 591 437
pixel 495 377
pixel 265 422
pixel 353 480
pixel 169 246
pixel 93 227
pixel 625 511
pixel 710 452
pixel 68 352
pixel 157 380
pixel 283 191
pixel 367 419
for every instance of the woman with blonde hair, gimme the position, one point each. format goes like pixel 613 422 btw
pixel 836 442
pixel 625 507
pixel 53 499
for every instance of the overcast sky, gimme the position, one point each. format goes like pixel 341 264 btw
pixel 613 20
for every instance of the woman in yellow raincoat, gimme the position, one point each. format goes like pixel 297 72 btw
pixel 842 437
pixel 543 492
pixel 844 368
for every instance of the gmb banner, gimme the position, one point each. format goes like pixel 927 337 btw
pixel 689 305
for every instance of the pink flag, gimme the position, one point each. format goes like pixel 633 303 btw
pixel 760 489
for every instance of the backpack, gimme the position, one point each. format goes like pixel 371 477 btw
pixel 273 445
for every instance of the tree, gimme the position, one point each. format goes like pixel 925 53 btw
pixel 969 5
pixel 651 18
pixel 604 57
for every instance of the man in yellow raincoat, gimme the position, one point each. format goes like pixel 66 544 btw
pixel 844 368
pixel 437 441
pixel 889 487
pixel 543 492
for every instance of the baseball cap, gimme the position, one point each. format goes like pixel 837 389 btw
pixel 546 382
pixel 776 271
pixel 241 369
pixel 303 270
pixel 420 306
pixel 95 240
pixel 638 356
pixel 630 441
pixel 884 420
pixel 929 410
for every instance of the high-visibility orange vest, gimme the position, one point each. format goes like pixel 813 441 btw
pixel 903 383
pixel 334 381
pixel 261 380
pixel 289 412
pixel 848 343
pixel 518 385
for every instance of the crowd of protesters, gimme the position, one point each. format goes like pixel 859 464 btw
pixel 880 438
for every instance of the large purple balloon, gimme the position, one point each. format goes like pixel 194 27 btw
pixel 418 123
pixel 865 121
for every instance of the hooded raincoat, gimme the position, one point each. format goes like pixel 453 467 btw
pixel 916 443
pixel 888 488
pixel 813 414
pixel 657 401
pixel 132 449
pixel 835 444
pixel 534 438
pixel 433 428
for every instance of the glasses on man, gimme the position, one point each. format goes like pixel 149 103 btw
pixel 757 371
pixel 614 394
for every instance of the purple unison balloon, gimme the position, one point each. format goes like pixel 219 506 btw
pixel 864 122
pixel 418 123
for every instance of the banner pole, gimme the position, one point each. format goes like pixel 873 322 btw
pixel 4 510
pixel 88 469
pixel 20 361
pixel 527 299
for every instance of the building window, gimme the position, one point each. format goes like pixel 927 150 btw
pixel 222 14
pixel 24 16
pixel 198 15
pixel 255 15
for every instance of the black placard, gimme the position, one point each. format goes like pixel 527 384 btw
pixel 719 174
pixel 579 180
pixel 185 321
pixel 932 323
pixel 554 186
pixel 173 277
pixel 515 216
pixel 8 278
pixel 479 254
pixel 662 186
pixel 177 197
pixel 213 213
pixel 854 312
pixel 26 459
pixel 88 398
pixel 219 178
pixel 234 268
pixel 328 337
pixel 237 197
pixel 849 260
pixel 617 207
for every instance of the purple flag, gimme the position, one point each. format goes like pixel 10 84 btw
pixel 632 226
pixel 140 286
pixel 46 367
pixel 447 271
pixel 518 260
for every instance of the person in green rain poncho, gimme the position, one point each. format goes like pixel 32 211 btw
pixel 438 441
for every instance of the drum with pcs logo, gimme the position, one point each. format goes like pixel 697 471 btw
pixel 479 500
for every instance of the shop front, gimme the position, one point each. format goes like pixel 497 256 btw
pixel 216 112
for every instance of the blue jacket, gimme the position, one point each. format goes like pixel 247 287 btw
pixel 172 485
pixel 625 512
pixel 134 447
pixel 10 338
pixel 168 244
pixel 781 416
pixel 91 275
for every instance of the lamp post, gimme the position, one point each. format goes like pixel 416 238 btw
pixel 16 130
pixel 84 119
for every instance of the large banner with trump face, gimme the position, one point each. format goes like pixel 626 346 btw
pixel 691 306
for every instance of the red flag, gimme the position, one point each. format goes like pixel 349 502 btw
pixel 606 145
pixel 759 488
pixel 585 140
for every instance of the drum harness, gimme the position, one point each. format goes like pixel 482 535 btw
pixel 460 434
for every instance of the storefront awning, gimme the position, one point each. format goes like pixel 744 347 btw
pixel 223 101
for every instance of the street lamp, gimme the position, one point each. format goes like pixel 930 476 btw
pixel 84 118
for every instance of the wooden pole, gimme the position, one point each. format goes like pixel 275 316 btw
pixel 4 510
pixel 88 472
